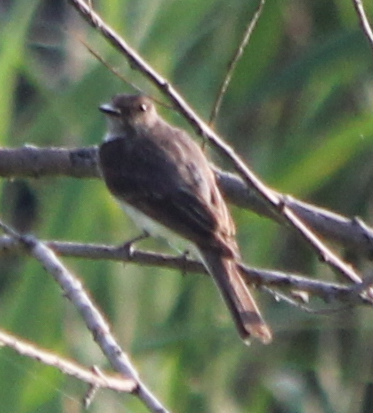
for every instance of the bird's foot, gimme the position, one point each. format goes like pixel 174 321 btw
pixel 184 262
pixel 128 245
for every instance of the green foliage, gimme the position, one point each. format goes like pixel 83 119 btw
pixel 298 109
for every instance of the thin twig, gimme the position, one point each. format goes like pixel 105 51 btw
pixel 234 61
pixel 115 72
pixel 277 204
pixel 119 75
pixel 364 22
pixel 294 303
pixel 102 380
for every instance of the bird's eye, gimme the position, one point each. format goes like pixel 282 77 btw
pixel 143 107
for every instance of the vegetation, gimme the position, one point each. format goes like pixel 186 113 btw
pixel 298 110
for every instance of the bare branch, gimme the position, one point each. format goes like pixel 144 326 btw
pixel 234 61
pixel 351 233
pixel 102 380
pixel 30 161
pixel 94 320
pixel 329 292
pixel 364 22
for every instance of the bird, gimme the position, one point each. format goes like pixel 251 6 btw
pixel 164 181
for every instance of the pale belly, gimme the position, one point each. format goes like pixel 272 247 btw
pixel 157 230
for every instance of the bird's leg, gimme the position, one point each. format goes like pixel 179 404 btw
pixel 184 261
pixel 128 245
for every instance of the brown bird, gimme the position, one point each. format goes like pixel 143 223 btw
pixel 163 179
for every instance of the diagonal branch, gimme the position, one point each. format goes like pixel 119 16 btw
pixel 364 22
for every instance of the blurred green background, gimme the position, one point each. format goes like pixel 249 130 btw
pixel 299 110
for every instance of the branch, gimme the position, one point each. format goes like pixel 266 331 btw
pixel 101 380
pixel 350 233
pixel 95 321
pixel 329 292
pixel 364 22
pixel 30 161
pixel 33 162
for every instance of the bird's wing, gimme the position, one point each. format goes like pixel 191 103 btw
pixel 176 190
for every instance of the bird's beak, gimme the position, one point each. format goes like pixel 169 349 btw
pixel 109 109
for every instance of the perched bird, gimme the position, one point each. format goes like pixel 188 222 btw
pixel 163 180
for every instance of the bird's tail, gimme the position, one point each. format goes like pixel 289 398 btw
pixel 237 296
